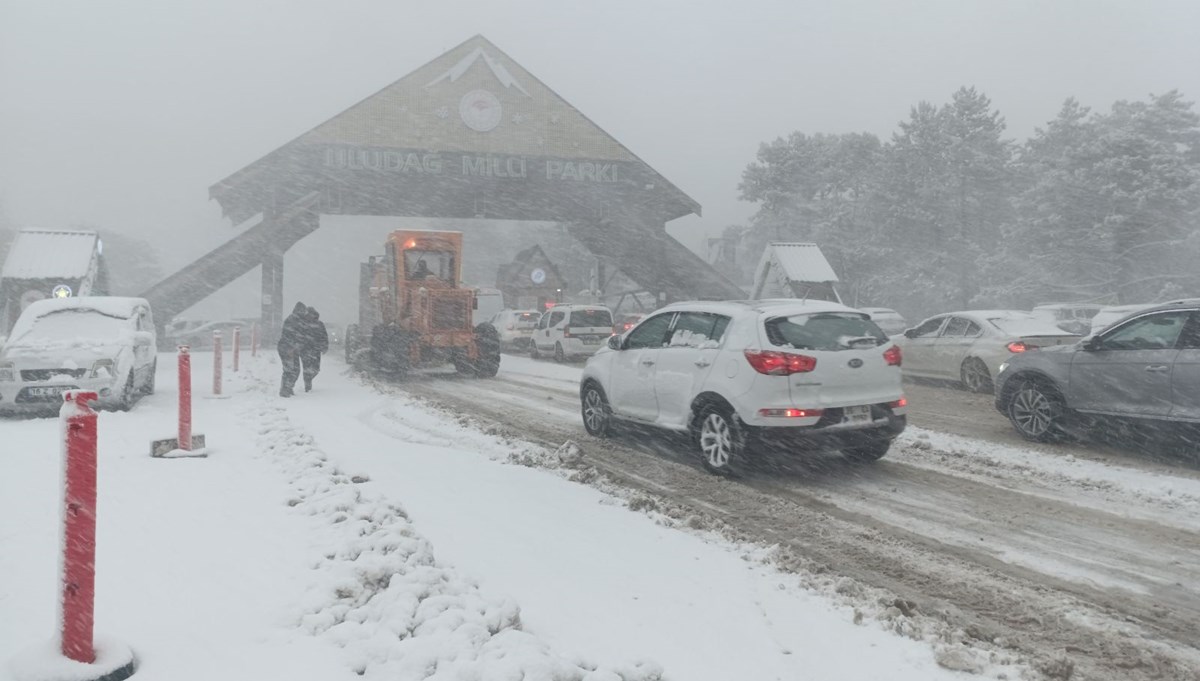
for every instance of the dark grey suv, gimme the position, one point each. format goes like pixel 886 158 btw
pixel 1145 367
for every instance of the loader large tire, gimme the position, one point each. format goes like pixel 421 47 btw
pixel 487 339
pixel 390 352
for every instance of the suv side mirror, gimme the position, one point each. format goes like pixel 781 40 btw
pixel 614 342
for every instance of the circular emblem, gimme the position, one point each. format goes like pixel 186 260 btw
pixel 538 276
pixel 480 110
pixel 855 363
pixel 61 291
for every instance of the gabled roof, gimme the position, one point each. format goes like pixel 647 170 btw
pixel 428 110
pixel 799 262
pixel 528 258
pixel 51 254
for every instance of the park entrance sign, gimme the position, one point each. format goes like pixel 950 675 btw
pixel 468 135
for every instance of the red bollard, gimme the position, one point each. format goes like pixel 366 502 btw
pixel 237 346
pixel 78 571
pixel 216 363
pixel 254 339
pixel 185 399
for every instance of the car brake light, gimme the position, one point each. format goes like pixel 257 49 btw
pixel 780 363
pixel 893 356
pixel 791 413
pixel 628 325
pixel 566 332
pixel 896 404
pixel 1019 346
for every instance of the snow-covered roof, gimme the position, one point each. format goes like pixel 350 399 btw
pixel 800 261
pixel 46 254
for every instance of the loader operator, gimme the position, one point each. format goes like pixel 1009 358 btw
pixel 421 272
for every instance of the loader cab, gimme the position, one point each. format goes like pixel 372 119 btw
pixel 429 266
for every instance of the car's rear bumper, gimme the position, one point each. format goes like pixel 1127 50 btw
pixel 834 436
pixel 578 347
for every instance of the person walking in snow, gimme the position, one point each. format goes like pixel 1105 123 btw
pixel 314 342
pixel 291 338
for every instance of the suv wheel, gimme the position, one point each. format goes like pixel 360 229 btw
pixel 1036 411
pixel 533 351
pixel 597 415
pixel 868 451
pixel 720 440
pixel 975 376
pixel 559 355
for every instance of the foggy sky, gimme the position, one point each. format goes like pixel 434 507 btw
pixel 121 114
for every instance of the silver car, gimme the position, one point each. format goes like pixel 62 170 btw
pixel 970 346
pixel 1145 366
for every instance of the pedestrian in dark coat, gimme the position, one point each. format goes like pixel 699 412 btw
pixel 291 339
pixel 313 343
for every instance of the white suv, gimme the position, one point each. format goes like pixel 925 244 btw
pixel 571 331
pixel 737 375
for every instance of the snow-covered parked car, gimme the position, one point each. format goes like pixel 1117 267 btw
pixel 970 346
pixel 99 343
pixel 742 377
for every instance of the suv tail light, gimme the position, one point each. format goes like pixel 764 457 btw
pixel 566 332
pixel 1019 346
pixel 780 363
pixel 893 356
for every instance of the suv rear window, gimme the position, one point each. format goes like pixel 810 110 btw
pixel 591 318
pixel 824 331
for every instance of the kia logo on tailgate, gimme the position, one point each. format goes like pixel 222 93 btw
pixel 855 363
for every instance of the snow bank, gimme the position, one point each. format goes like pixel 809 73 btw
pixel 385 600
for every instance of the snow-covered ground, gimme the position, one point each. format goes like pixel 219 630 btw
pixel 346 534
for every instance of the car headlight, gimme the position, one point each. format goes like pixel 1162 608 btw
pixel 7 372
pixel 103 368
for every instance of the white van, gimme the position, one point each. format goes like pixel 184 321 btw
pixel 571 331
pixel 488 302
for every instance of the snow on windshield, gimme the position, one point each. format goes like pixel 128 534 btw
pixel 70 328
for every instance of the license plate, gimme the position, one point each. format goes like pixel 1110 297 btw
pixel 591 341
pixel 857 414
pixel 45 391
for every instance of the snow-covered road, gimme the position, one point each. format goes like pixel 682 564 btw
pixel 1032 546
pixel 355 532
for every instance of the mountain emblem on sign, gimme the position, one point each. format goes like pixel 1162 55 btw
pixel 455 72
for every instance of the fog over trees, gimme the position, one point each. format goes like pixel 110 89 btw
pixel 950 214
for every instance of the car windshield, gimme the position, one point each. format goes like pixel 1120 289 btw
pixel 591 318
pixel 824 331
pixel 77 323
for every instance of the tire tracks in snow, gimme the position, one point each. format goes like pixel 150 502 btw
pixel 1101 632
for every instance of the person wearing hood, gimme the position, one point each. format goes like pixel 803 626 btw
pixel 314 342
pixel 291 339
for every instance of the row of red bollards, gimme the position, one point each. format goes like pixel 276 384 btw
pixel 78 566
